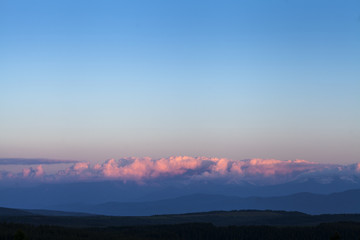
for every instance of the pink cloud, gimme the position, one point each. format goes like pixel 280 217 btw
pixel 33 172
pixel 26 172
pixel 237 167
pixel 191 168
pixel 221 166
pixel 144 168
pixel 39 171
pixel 81 166
pixel 81 170
pixel 269 167
pixel 140 169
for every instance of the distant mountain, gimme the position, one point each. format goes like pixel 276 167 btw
pixel 336 203
pixel 92 193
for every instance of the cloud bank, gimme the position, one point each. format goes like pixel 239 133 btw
pixel 32 161
pixel 145 170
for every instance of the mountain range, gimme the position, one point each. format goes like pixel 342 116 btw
pixel 47 195
pixel 310 203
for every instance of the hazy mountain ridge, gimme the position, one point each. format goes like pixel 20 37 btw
pixel 91 193
pixel 336 203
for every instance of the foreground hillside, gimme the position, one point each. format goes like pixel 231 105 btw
pixel 187 231
pixel 245 224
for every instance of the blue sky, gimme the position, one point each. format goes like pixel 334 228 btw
pixel 92 80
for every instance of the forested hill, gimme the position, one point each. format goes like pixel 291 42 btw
pixel 12 212
pixel 188 231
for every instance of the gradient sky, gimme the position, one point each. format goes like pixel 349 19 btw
pixel 92 80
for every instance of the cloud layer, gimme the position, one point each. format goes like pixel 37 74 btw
pixel 145 170
pixel 32 161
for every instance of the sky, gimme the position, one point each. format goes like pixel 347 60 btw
pixel 95 80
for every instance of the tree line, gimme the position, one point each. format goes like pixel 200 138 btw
pixel 188 231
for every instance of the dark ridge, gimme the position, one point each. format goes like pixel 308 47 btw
pixel 217 218
pixel 13 212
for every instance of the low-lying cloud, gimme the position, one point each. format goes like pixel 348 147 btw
pixel 33 161
pixel 145 170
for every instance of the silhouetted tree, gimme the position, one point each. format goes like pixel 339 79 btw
pixel 336 236
pixel 19 235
